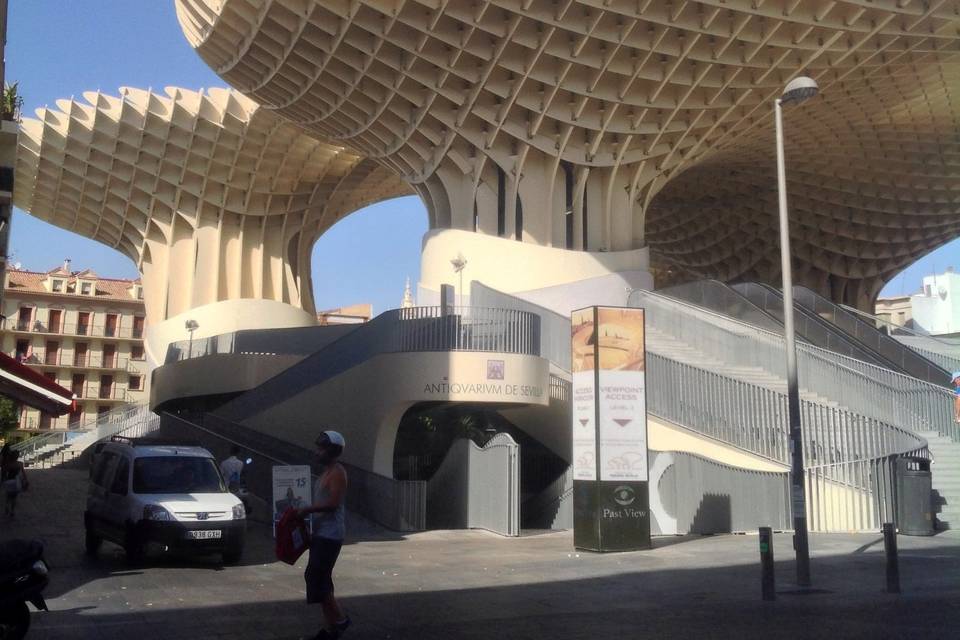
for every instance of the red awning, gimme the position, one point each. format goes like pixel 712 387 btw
pixel 29 387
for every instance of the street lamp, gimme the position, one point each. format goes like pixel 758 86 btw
pixel 459 264
pixel 191 326
pixel 797 90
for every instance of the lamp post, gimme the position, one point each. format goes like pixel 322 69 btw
pixel 797 90
pixel 459 264
pixel 191 326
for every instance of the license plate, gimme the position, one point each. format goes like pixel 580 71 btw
pixel 204 535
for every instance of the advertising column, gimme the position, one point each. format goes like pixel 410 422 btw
pixel 611 497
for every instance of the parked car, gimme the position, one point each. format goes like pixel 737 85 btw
pixel 145 492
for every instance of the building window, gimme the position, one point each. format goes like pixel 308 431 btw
pixel 136 352
pixel 139 293
pixel 137 326
pixel 85 288
pixel 23 350
pixel 135 382
pixel 57 286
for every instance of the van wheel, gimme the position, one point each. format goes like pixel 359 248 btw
pixel 92 542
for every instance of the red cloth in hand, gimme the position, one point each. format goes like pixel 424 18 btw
pixel 292 537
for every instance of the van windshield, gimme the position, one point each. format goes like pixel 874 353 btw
pixel 176 474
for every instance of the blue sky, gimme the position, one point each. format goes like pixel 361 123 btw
pixel 59 48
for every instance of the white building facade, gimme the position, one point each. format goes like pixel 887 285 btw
pixel 936 309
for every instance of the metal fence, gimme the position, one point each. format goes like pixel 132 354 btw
pixel 848 457
pixel 554 328
pixel 407 330
pixel 860 387
pixel 57 446
pixel 942 351
pixel 900 355
pixel 924 347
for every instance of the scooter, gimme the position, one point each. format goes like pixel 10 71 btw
pixel 23 577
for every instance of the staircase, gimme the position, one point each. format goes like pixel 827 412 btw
pixel 668 346
pixel 53 448
pixel 946 478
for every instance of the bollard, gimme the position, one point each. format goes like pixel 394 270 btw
pixel 767 583
pixel 893 563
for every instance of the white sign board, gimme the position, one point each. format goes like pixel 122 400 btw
pixel 584 400
pixel 622 394
pixel 623 426
pixel 609 394
pixel 291 489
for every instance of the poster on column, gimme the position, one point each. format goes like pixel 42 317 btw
pixel 291 489
pixel 621 395
pixel 583 373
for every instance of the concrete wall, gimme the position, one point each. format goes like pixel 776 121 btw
pixel 512 267
pixel 222 317
pixel 367 401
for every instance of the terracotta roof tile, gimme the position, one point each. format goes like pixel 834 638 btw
pixel 107 288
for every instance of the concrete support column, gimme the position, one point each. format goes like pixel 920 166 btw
pixel 197 267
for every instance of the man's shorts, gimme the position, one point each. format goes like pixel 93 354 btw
pixel 319 573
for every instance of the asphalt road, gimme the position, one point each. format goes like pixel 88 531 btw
pixel 471 584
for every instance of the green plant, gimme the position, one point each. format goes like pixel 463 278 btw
pixel 9 416
pixel 12 103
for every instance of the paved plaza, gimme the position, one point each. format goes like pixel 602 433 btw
pixel 471 584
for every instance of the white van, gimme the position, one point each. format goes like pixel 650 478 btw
pixel 142 491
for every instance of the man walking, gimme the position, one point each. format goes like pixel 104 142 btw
pixel 232 468
pixel 327 516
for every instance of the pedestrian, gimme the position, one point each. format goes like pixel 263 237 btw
pixel 328 529
pixel 232 468
pixel 14 480
pixel 955 381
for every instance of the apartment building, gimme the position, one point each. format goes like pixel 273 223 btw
pixel 80 330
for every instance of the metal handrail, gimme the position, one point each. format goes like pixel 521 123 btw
pixel 864 388
pixel 413 329
pixel 63 358
pixel 78 329
pixel 123 420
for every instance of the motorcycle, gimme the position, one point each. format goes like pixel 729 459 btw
pixel 239 489
pixel 23 577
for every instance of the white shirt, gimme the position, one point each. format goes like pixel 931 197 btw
pixel 230 469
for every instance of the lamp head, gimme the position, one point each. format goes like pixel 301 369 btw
pixel 459 263
pixel 799 89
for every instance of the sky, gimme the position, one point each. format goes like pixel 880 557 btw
pixel 62 48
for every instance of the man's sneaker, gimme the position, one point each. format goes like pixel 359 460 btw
pixel 342 625
pixel 326 634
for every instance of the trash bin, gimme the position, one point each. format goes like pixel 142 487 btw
pixel 914 497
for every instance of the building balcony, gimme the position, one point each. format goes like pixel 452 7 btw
pixel 78 329
pixel 62 359
pixel 92 391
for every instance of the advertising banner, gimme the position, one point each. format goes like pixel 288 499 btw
pixel 584 396
pixel 622 394
pixel 291 489
pixel 611 497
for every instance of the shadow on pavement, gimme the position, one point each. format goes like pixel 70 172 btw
pixel 718 602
